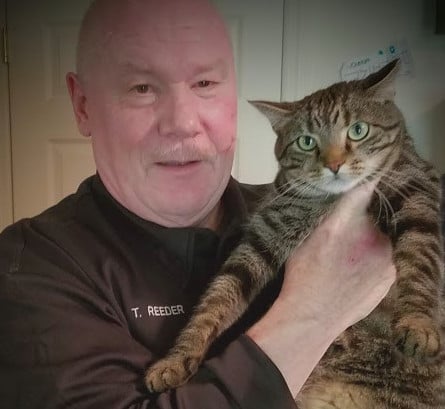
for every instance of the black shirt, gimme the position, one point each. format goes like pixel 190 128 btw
pixel 91 294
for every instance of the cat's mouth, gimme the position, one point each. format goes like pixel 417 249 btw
pixel 338 183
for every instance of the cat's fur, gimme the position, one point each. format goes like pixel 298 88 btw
pixel 393 358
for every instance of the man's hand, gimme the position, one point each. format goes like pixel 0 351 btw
pixel 345 268
pixel 334 279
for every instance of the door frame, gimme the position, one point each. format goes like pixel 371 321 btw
pixel 6 193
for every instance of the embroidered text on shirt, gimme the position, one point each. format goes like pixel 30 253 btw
pixel 158 310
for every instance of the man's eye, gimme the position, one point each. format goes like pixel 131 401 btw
pixel 142 88
pixel 204 84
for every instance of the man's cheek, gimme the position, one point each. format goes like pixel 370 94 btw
pixel 225 134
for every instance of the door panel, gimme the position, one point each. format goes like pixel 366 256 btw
pixel 42 39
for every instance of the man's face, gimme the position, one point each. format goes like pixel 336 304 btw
pixel 161 110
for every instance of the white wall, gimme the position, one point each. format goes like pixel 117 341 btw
pixel 330 32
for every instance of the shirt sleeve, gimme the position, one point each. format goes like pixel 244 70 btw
pixel 61 347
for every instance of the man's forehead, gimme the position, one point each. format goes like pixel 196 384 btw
pixel 160 17
pixel 165 42
pixel 150 67
pixel 166 31
pixel 141 31
pixel 160 32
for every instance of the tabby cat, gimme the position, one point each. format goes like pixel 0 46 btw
pixel 347 134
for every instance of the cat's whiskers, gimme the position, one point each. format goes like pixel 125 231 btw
pixel 292 184
pixel 389 181
pixel 289 232
pixel 378 192
pixel 390 185
pixel 389 210
pixel 295 185
pixel 380 209
pixel 308 187
pixel 394 177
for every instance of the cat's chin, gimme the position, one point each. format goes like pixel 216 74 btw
pixel 338 186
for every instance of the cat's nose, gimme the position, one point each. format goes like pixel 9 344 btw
pixel 335 165
pixel 333 158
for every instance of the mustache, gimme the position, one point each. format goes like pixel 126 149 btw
pixel 182 152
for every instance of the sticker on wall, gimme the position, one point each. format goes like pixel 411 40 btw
pixel 358 68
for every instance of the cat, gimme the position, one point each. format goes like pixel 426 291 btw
pixel 327 143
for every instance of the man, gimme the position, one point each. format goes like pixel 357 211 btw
pixel 95 289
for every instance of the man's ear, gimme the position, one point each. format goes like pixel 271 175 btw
pixel 79 102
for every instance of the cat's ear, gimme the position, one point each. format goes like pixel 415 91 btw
pixel 278 113
pixel 381 84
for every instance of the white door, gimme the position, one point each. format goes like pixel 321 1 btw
pixel 50 158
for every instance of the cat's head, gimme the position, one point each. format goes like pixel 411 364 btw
pixel 339 136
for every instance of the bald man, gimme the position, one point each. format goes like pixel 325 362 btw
pixel 95 289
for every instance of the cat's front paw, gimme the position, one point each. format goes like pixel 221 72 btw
pixel 170 372
pixel 417 336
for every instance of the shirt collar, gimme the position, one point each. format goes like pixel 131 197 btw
pixel 187 243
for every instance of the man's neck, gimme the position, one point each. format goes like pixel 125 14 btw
pixel 214 218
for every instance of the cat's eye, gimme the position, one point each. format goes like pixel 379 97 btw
pixel 306 143
pixel 358 131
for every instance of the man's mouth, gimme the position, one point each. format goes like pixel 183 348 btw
pixel 177 163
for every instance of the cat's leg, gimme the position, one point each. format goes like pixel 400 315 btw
pixel 418 260
pixel 418 257
pixel 243 275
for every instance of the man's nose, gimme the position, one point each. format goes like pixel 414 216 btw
pixel 179 114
